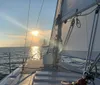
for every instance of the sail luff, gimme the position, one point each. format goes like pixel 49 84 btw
pixel 53 32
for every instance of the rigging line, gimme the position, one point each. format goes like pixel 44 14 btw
pixel 97 12
pixel 90 11
pixel 88 54
pixel 69 32
pixel 38 19
pixel 78 22
pixel 27 24
pixel 39 13
pixel 87 13
pixel 90 43
pixel 92 37
pixel 95 62
pixel 86 30
pixel 82 14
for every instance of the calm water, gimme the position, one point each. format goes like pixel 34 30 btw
pixel 15 55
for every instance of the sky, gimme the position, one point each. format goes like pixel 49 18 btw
pixel 13 21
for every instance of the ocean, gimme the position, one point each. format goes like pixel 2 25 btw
pixel 12 57
pixel 15 56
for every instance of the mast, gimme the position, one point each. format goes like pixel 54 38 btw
pixel 58 35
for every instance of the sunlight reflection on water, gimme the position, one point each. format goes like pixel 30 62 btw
pixel 35 52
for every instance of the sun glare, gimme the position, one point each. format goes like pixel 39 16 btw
pixel 35 33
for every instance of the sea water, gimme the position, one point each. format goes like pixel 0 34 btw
pixel 13 57
pixel 16 55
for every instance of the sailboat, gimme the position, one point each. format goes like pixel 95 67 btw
pixel 74 51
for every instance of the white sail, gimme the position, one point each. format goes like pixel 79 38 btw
pixel 70 7
pixel 78 43
pixel 80 37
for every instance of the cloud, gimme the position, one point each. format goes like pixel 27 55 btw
pixel 14 40
pixel 11 43
pixel 45 33
pixel 37 40
pixel 16 36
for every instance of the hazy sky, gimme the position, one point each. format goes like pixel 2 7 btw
pixel 13 18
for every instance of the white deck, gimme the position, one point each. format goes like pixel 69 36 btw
pixel 27 81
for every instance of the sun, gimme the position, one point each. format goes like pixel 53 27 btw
pixel 35 33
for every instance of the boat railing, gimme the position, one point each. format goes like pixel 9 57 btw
pixel 10 61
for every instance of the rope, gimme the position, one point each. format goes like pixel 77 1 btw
pixel 86 30
pixel 26 33
pixel 94 64
pixel 28 25
pixel 69 32
pixel 27 22
pixel 38 19
pixel 90 11
pixel 92 37
pixel 39 13
pixel 78 22
pixel 87 13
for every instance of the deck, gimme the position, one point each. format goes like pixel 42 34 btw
pixel 38 74
pixel 32 65
pixel 46 75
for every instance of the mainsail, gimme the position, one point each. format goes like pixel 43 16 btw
pixel 72 7
pixel 78 24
